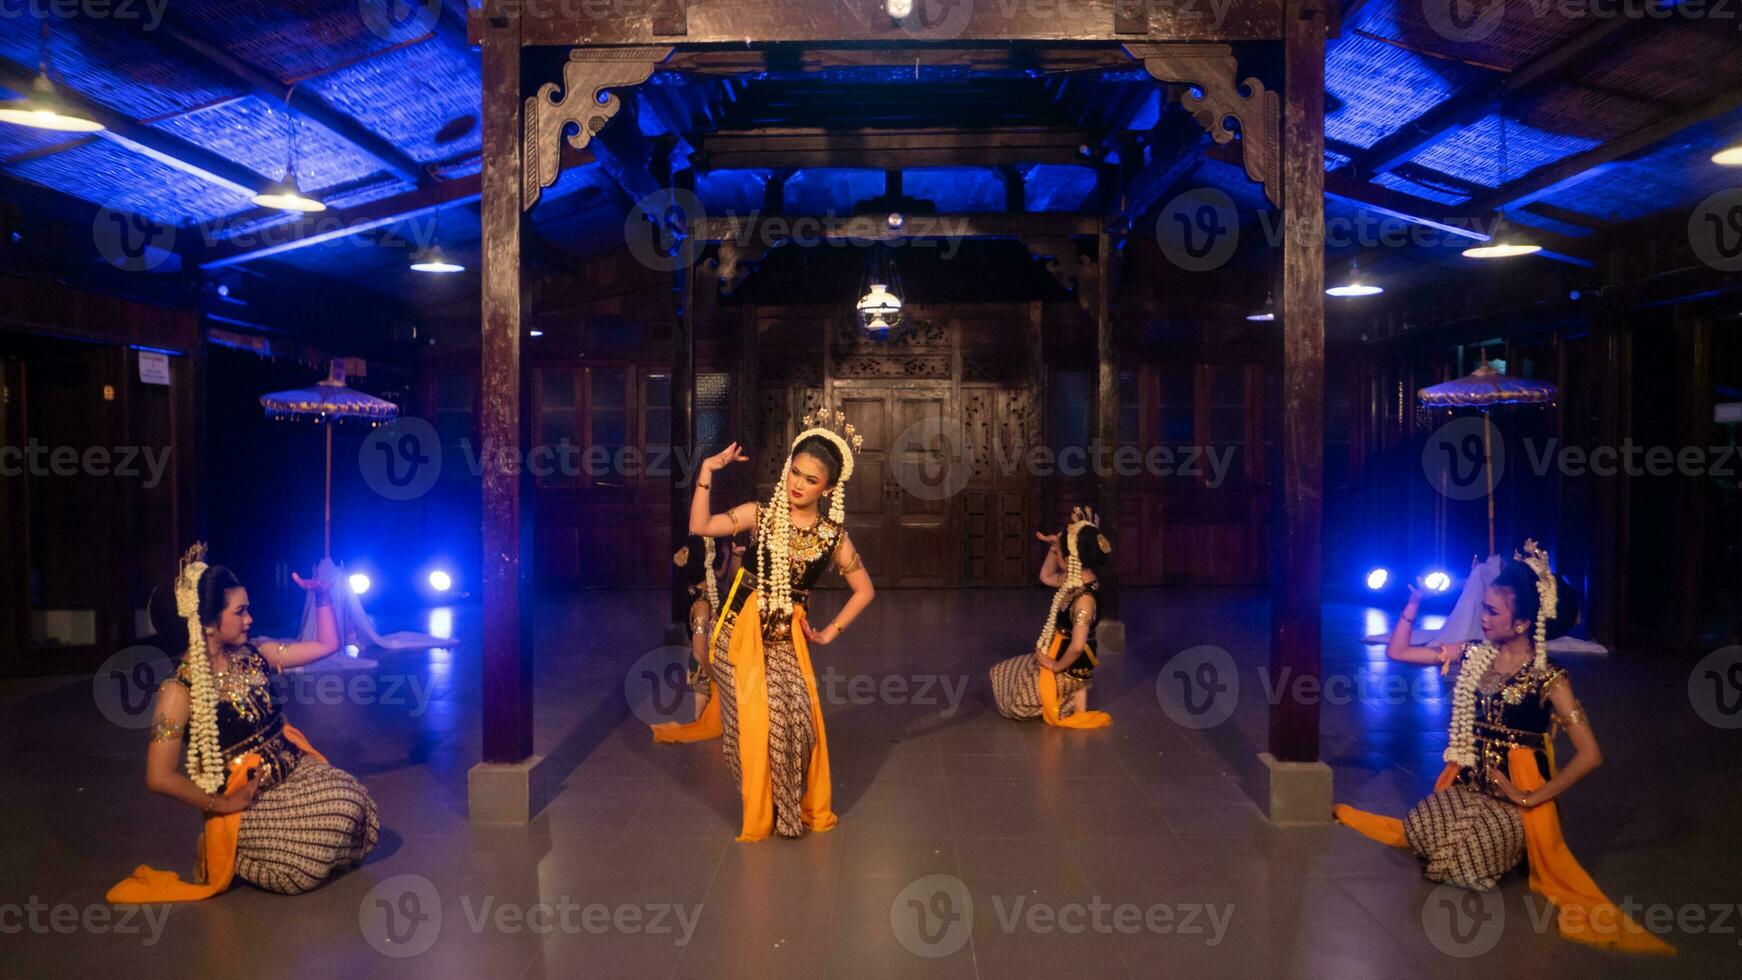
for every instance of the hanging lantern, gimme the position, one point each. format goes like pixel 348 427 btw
pixel 880 303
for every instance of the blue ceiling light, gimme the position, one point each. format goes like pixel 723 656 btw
pixel 1353 286
pixel 43 108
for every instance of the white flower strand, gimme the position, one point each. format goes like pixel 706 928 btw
pixel 775 523
pixel 708 574
pixel 205 757
pixel 1461 735
pixel 1073 581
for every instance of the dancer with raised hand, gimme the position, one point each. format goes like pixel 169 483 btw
pixel 276 813
pixel 770 714
pixel 1050 683
pixel 1494 804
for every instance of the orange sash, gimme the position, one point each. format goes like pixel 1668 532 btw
pixel 707 724
pixel 1047 686
pixel 217 848
pixel 1586 914
pixel 750 683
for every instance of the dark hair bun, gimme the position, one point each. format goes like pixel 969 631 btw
pixel 1520 579
pixel 1094 548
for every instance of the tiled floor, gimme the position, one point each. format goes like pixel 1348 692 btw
pixel 968 846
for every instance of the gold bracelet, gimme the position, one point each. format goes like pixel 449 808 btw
pixel 838 627
pixel 705 486
pixel 734 516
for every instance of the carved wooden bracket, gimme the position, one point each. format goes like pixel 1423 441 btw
pixel 1212 69
pixel 1073 272
pixel 585 102
pixel 735 261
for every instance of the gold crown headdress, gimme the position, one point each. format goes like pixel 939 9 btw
pixel 205 758
pixel 775 524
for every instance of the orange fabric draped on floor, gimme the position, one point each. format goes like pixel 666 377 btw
pixel 217 848
pixel 1585 914
pixel 750 682
pixel 1047 685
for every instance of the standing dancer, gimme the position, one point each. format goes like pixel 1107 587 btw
pixel 770 715
pixel 276 814
pixel 1493 806
pixel 1048 684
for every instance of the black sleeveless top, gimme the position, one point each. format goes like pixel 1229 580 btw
pixel 1084 666
pixel 250 714
pixel 808 552
pixel 1515 712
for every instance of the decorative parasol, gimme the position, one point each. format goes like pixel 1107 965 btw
pixel 1486 388
pixel 325 403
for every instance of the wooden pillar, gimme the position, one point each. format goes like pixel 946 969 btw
pixel 1608 519
pixel 507 682
pixel 1107 413
pixel 1295 581
pixel 1693 425
pixel 683 429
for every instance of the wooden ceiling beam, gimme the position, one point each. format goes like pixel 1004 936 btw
pixel 888 148
pixel 165 148
pixel 860 21
pixel 315 229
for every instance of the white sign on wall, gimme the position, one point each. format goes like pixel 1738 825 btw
pixel 153 368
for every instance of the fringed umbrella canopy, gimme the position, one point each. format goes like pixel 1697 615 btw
pixel 1486 388
pixel 327 402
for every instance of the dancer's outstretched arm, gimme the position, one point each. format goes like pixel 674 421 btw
pixel 1398 647
pixel 285 654
pixel 1052 570
pixel 702 520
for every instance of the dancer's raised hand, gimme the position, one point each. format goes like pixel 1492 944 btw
pixel 723 458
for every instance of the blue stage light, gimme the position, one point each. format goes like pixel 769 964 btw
pixel 360 583
pixel 1377 578
pixel 440 581
pixel 1437 581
